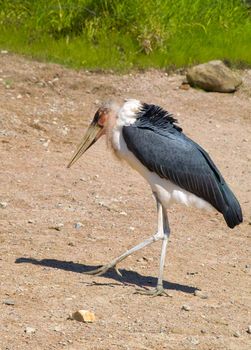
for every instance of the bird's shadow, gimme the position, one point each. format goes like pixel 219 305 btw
pixel 128 277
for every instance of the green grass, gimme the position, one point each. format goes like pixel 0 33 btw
pixel 125 34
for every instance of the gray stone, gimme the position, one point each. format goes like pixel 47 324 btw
pixel 249 329
pixel 213 76
pixel 78 225
pixel 9 302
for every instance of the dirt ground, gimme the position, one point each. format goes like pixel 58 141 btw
pixel 44 110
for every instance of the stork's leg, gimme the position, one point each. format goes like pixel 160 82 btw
pixel 159 235
pixel 102 269
pixel 159 290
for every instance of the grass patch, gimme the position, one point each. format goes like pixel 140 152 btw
pixel 125 34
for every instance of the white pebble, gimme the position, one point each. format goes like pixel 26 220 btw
pixel 201 294
pixel 3 205
pixel 30 330
pixel 186 308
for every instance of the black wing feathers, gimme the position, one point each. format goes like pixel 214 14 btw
pixel 163 148
pixel 157 117
pixel 232 212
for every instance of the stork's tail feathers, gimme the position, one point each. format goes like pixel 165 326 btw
pixel 232 213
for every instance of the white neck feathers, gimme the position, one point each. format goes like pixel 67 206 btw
pixel 127 113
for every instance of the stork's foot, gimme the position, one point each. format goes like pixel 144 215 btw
pixel 158 291
pixel 103 269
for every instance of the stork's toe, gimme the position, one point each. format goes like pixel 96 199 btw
pixel 158 291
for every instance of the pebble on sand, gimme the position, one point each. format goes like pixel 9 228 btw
pixel 201 294
pixel 186 308
pixel 83 316
pixel 57 227
pixel 3 205
pixel 9 302
pixel 237 334
pixel 29 330
pixel 78 225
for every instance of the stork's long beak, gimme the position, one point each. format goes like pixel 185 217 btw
pixel 91 136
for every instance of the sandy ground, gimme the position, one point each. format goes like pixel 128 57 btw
pixel 44 110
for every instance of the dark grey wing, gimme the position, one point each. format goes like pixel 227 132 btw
pixel 175 157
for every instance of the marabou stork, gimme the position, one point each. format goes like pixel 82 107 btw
pixel 177 169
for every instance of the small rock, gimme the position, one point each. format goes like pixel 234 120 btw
pixel 84 316
pixel 9 302
pixel 194 340
pixel 46 144
pixel 78 225
pixel 192 273
pixel 123 213
pixel 62 343
pixel 237 334
pixel 65 130
pixel 3 205
pixel 4 52
pixel 249 329
pixel 19 96
pixel 57 227
pixel 186 308
pixel 30 221
pixel 184 86
pixel 30 330
pixel 200 294
pixel 57 329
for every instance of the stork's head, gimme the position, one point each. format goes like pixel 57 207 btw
pixel 102 122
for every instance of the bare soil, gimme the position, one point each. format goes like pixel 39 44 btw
pixel 44 109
